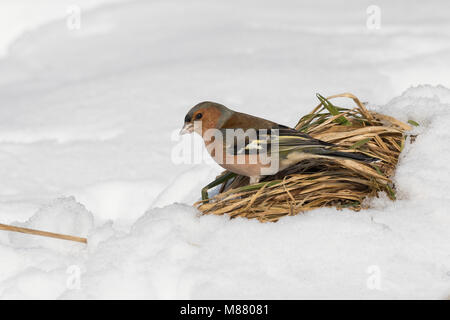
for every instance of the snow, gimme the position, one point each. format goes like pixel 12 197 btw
pixel 19 16
pixel 87 123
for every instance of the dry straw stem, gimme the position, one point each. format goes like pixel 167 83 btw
pixel 315 183
pixel 42 233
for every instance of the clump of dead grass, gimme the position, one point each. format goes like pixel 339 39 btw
pixel 315 183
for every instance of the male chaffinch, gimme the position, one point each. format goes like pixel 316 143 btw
pixel 255 143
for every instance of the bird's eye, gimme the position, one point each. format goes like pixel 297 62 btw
pixel 198 116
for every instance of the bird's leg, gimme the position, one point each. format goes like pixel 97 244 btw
pixel 227 176
pixel 254 179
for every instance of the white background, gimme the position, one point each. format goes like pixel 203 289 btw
pixel 89 115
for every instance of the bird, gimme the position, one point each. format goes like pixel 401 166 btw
pixel 255 147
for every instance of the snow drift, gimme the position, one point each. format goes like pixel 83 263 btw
pixel 86 120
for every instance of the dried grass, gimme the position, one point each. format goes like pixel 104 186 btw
pixel 315 183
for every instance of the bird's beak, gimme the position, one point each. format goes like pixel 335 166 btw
pixel 187 128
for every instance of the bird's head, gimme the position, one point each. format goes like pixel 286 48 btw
pixel 205 115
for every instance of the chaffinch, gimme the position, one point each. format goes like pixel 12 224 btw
pixel 252 146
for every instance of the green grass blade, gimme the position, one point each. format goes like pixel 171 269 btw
pixel 333 110
pixel 360 143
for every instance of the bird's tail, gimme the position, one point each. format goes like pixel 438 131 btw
pixel 349 155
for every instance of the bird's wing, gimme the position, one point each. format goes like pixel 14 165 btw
pixel 278 137
pixel 292 140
